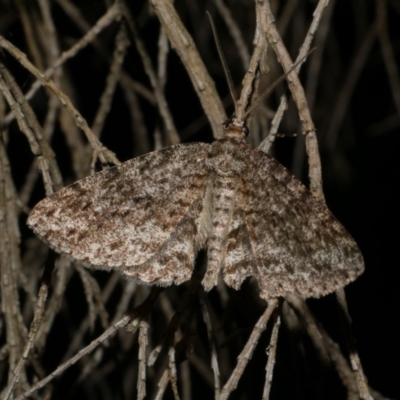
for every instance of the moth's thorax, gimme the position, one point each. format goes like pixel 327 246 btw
pixel 229 156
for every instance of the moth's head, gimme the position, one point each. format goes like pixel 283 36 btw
pixel 234 127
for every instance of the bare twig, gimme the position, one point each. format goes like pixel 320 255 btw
pixel 248 350
pixel 323 15
pixel 173 376
pixel 143 342
pixel 171 132
pixel 271 357
pixel 29 125
pixel 111 14
pixel 134 315
pixel 214 354
pixel 42 297
pixel 351 344
pixel 235 32
pixel 121 45
pixel 100 151
pixel 162 385
pixel 268 27
pixel 9 241
pixel 184 305
pixel 250 80
pixel 163 51
pixel 387 51
pixel 183 44
pixel 311 327
pixel 54 302
pixel 94 344
pixel 224 63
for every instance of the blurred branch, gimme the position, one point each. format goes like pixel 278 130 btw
pixel 183 44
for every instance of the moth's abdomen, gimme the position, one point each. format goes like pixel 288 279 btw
pixel 223 202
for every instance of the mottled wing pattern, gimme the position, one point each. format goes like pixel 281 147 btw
pixel 123 216
pixel 173 262
pixel 297 244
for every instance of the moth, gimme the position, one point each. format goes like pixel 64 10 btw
pixel 149 217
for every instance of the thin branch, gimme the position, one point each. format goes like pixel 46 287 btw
pixel 9 266
pixel 248 350
pixel 184 305
pixel 143 342
pixel 271 357
pixel 211 340
pixel 224 63
pixel 31 128
pixel 183 44
pixel 121 46
pixel 387 50
pixel 351 344
pixel 134 315
pixel 235 32
pixel 310 324
pixel 171 132
pixel 111 15
pixel 104 154
pixel 53 305
pixel 173 375
pixel 39 310
pixel 269 29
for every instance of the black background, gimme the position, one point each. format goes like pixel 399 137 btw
pixel 361 172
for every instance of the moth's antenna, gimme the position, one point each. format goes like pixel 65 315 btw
pixel 275 84
pixel 224 63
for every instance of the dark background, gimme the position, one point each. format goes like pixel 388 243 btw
pixel 360 168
